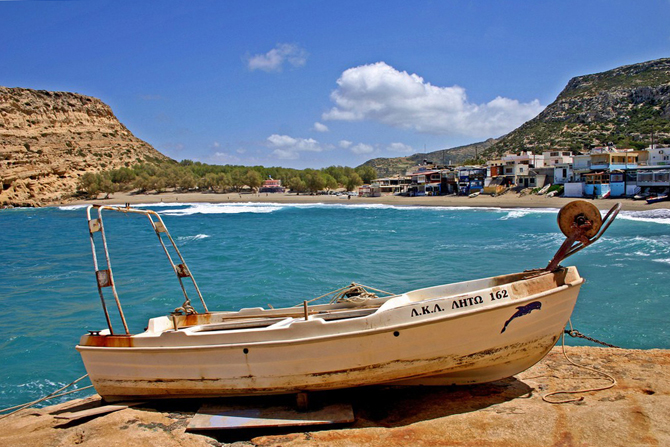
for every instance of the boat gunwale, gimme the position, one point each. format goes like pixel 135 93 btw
pixel 321 338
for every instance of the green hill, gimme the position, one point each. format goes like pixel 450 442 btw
pixel 457 155
pixel 623 106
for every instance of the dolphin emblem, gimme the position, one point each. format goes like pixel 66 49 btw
pixel 521 311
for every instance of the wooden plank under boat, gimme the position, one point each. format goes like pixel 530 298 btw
pixel 464 333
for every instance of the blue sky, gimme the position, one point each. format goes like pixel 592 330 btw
pixel 319 83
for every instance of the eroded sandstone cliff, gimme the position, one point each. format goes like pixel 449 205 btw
pixel 50 139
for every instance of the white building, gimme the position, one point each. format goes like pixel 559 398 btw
pixel 658 156
pixel 581 162
pixel 553 158
pixel 563 173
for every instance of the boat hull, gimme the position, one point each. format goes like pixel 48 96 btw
pixel 656 199
pixel 457 334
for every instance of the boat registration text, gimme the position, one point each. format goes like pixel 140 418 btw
pixel 459 303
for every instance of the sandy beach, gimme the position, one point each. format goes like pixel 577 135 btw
pixel 509 200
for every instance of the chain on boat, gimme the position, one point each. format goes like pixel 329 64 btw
pixel 576 334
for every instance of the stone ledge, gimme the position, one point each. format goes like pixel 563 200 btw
pixel 509 412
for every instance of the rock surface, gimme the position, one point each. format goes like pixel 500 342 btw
pixel 510 412
pixel 49 139
pixel 624 106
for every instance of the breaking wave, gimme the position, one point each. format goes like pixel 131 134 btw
pixel 222 208
pixel 72 207
pixel 197 237
pixel 659 216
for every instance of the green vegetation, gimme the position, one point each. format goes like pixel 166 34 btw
pixel 474 161
pixel 557 188
pixel 646 74
pixel 154 175
pixel 624 106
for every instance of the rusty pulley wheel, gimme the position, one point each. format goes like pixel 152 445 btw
pixel 576 214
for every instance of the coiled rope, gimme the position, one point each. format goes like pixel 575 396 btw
pixel 353 293
pixel 573 333
pixel 52 395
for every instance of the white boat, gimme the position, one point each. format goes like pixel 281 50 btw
pixel 465 333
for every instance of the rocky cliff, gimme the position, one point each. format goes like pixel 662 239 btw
pixel 49 139
pixel 623 106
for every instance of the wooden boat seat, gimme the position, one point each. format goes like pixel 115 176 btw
pixel 277 322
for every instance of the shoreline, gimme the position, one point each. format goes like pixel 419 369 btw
pixel 505 201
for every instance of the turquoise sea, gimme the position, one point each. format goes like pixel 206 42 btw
pixel 246 255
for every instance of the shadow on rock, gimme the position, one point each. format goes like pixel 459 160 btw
pixel 388 407
pixel 396 407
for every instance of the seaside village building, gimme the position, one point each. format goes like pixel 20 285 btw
pixel 390 185
pixel 429 179
pixel 611 172
pixel 602 172
pixel 471 179
pixel 271 185
pixel 425 181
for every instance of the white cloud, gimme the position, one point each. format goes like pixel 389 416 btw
pixel 400 147
pixel 362 148
pixel 289 148
pixel 345 144
pixel 276 58
pixel 320 127
pixel 379 92
pixel 216 145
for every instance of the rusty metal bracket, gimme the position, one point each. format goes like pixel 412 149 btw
pixel 160 227
pixel 182 271
pixel 582 225
pixel 94 225
pixel 104 278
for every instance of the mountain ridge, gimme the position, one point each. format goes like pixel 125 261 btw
pixel 624 106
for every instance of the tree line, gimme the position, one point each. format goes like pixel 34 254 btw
pixel 190 175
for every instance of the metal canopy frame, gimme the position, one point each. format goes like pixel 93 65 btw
pixel 105 277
